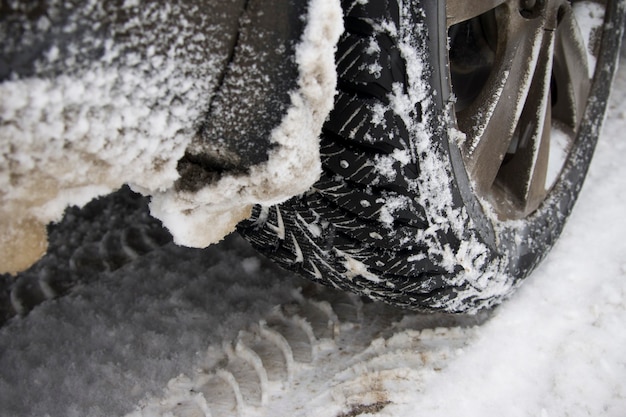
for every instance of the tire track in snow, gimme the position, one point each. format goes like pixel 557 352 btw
pixel 325 353
pixel 105 235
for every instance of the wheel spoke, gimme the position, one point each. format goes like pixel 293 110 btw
pixel 490 122
pixel 571 72
pixel 461 10
pixel 525 173
pixel 535 184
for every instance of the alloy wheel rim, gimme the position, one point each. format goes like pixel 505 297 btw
pixel 521 72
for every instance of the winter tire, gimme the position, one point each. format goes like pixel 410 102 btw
pixel 449 170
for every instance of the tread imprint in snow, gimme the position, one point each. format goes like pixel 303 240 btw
pixel 105 235
pixel 322 335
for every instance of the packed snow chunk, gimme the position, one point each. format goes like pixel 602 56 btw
pixel 199 218
pixel 114 96
pixel 93 97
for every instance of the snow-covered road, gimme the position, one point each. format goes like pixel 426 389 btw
pixel 555 349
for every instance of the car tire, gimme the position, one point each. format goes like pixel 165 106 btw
pixel 437 191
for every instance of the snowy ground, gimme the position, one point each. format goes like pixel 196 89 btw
pixel 555 349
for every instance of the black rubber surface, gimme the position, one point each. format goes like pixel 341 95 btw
pixel 343 211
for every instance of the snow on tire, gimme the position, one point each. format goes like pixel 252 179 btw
pixel 409 208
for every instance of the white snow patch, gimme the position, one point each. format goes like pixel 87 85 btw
pixel 590 18
pixel 356 268
pixel 560 143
